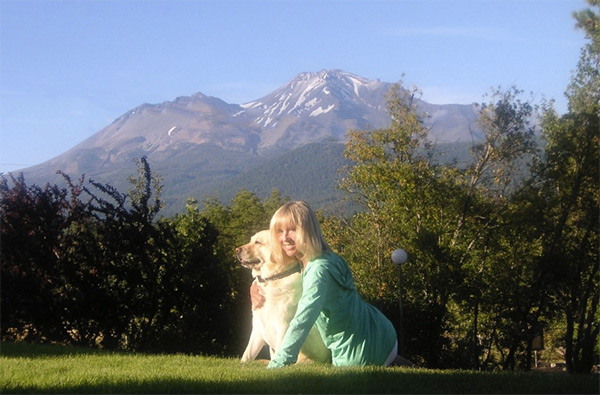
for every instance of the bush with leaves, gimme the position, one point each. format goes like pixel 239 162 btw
pixel 34 287
pixel 97 268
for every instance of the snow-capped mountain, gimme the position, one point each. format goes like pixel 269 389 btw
pixel 202 140
pixel 310 108
pixel 317 106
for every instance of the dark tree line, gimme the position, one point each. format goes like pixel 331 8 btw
pixel 87 264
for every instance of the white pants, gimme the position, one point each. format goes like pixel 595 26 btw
pixel 393 355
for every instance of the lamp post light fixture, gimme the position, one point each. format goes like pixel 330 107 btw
pixel 399 257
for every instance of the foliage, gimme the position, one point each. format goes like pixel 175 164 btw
pixel 475 233
pixel 498 247
pixel 569 191
pixel 34 287
pixel 96 268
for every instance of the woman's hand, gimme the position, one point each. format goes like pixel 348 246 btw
pixel 257 296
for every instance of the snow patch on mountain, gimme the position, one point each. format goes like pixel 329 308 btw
pixel 320 111
pixel 252 104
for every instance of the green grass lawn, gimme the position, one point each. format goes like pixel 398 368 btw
pixel 54 369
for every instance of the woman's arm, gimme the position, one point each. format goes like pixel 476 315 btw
pixel 315 284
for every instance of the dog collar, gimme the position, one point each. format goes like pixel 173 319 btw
pixel 296 269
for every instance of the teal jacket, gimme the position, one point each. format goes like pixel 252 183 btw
pixel 355 331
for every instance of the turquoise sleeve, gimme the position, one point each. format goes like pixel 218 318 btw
pixel 315 284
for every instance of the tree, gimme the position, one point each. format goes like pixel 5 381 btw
pixel 447 217
pixel 393 177
pixel 491 251
pixel 33 278
pixel 199 286
pixel 570 191
pixel 131 259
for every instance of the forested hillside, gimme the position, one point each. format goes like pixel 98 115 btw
pixel 310 173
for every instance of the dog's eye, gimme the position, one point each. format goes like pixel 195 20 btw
pixel 257 242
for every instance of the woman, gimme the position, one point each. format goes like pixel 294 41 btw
pixel 355 331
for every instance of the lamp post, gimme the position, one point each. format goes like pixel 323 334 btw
pixel 399 257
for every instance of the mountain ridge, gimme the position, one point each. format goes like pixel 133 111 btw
pixel 201 141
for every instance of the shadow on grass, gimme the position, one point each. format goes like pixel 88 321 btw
pixel 378 381
pixel 28 350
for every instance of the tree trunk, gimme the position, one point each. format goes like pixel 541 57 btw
pixel 509 363
pixel 474 343
pixel 569 341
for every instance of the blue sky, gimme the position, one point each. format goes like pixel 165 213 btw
pixel 69 68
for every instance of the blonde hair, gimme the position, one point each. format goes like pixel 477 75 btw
pixel 309 238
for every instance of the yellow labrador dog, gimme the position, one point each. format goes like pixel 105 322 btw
pixel 282 285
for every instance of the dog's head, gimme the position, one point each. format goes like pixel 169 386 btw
pixel 256 253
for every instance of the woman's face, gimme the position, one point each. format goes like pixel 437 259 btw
pixel 287 239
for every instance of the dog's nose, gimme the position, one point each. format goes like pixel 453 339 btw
pixel 238 250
